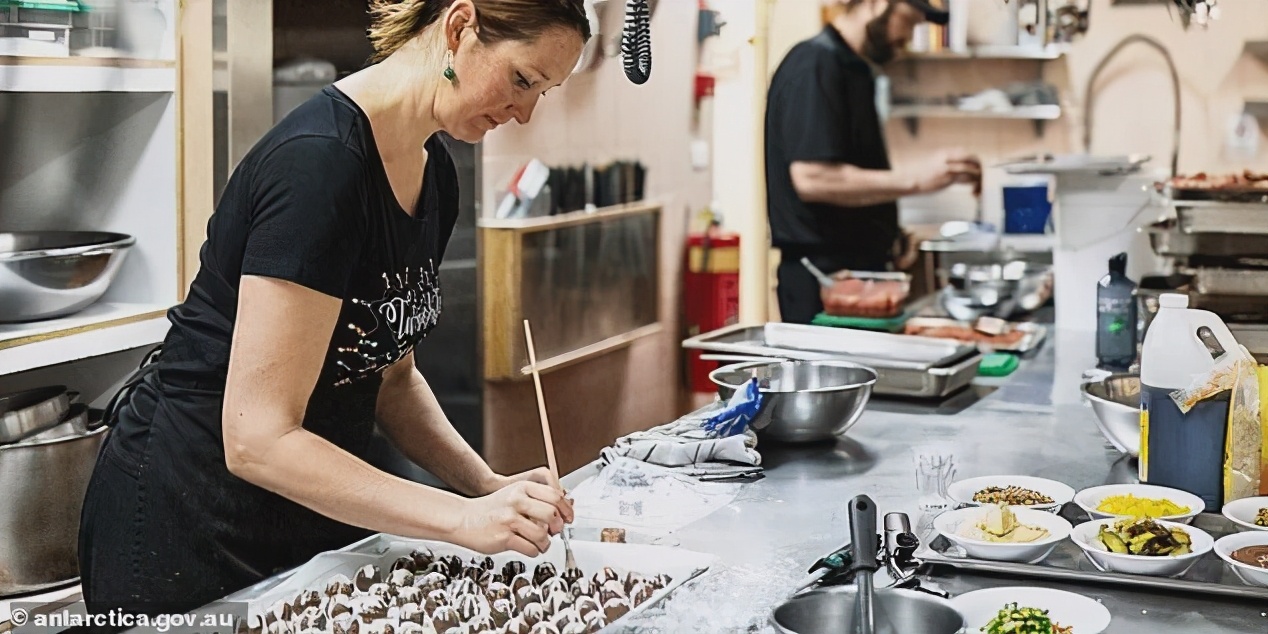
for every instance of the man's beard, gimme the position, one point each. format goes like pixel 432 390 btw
pixel 877 47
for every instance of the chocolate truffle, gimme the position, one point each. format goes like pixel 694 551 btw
pixel 345 624
pixel 401 577
pixel 382 590
pixel 533 613
pixel 445 618
pixel 470 606
pixel 369 607
pixel 502 610
pixel 544 571
pixel 338 584
pixel 381 626
pixel 512 568
pixel 496 590
pixel 571 575
pixel 586 605
pixel 422 559
pixel 517 625
pixel 519 581
pixel 402 563
pixel 527 595
pixel 545 627
pixel 615 609
pixel 558 601
pixel 453 565
pixel 409 594
pixel 367 576
pixel 337 605
pixel 431 581
pixel 554 585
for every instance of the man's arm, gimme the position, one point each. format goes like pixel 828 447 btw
pixel 845 185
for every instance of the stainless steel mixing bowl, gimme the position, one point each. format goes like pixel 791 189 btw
pixel 1116 401
pixel 806 401
pixel 48 274
pixel 29 412
pixel 832 611
pixel 39 511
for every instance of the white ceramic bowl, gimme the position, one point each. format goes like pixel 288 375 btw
pixel 962 491
pixel 1242 512
pixel 951 522
pixel 1085 615
pixel 1089 499
pixel 1252 575
pixel 1084 535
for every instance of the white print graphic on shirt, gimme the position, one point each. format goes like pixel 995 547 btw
pixel 388 328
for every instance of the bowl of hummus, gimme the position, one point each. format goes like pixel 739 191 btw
pixel 1004 533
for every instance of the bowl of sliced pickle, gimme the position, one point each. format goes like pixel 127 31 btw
pixel 1142 546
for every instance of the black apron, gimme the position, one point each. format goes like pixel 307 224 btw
pixel 171 530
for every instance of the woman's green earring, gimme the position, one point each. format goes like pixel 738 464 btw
pixel 449 74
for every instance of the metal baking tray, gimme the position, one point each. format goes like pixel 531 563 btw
pixel 381 550
pixel 894 378
pixel 1240 282
pixel 1209 576
pixel 1170 241
pixel 1219 217
pixel 1033 335
pixel 1224 195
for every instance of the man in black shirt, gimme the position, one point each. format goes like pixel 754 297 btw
pixel 831 192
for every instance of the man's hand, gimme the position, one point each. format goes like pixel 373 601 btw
pixel 948 168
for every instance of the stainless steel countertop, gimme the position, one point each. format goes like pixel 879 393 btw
pixel 1033 424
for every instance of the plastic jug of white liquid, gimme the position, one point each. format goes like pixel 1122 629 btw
pixel 1178 450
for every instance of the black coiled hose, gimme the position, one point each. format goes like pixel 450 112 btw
pixel 636 42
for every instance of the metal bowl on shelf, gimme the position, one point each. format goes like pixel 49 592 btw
pixel 1116 402
pixel 40 515
pixel 29 412
pixel 806 401
pixel 995 289
pixel 49 274
pixel 833 610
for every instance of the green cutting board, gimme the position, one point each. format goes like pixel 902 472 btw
pixel 887 324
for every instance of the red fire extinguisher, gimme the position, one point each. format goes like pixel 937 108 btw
pixel 712 292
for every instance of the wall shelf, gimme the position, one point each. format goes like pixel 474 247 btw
pixel 913 113
pixel 86 75
pixel 102 328
pixel 1023 53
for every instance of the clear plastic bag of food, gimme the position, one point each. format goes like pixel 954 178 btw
pixel 1236 373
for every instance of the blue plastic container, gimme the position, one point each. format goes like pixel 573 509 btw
pixel 1026 208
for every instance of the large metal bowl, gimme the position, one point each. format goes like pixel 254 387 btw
pixel 807 401
pixel 1116 401
pixel 29 412
pixel 39 512
pixel 49 274
pixel 832 611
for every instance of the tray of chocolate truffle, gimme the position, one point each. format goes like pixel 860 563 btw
pixel 1130 535
pixel 391 585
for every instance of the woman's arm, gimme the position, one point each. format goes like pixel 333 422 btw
pixel 279 343
pixel 411 417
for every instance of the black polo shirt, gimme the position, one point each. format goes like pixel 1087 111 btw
pixel 822 107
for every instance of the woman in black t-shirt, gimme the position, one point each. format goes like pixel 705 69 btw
pixel 237 454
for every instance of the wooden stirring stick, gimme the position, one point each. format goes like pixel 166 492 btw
pixel 569 561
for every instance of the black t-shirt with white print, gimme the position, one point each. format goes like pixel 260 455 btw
pixel 309 204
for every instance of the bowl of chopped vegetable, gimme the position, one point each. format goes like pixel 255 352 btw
pixel 1249 514
pixel 1022 610
pixel 1139 500
pixel 1031 492
pixel 1141 546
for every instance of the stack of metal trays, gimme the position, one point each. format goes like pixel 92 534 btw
pixel 1221 240
pixel 919 367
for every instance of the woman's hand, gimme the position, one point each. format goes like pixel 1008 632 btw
pixel 540 475
pixel 520 517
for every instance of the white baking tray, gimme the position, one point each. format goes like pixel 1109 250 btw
pixel 381 550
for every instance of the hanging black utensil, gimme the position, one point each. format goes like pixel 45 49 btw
pixel 636 42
